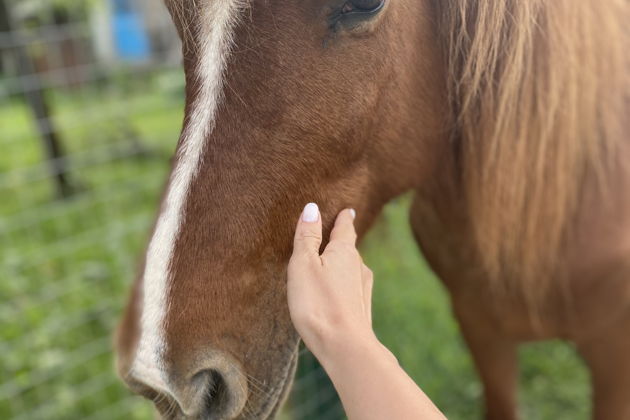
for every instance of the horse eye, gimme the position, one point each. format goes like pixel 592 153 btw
pixel 354 11
pixel 362 6
pixel 365 5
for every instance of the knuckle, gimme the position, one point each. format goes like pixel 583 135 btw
pixel 310 237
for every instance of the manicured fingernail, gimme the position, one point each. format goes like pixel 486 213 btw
pixel 353 213
pixel 310 213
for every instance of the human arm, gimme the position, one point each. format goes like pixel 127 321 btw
pixel 330 304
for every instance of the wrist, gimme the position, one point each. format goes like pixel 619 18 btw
pixel 344 346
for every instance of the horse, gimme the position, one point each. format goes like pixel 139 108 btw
pixel 507 120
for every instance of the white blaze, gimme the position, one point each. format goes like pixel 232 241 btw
pixel 214 37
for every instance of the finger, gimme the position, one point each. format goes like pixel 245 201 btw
pixel 367 278
pixel 344 228
pixel 308 234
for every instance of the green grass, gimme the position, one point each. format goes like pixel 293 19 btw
pixel 65 268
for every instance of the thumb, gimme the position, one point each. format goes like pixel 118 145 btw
pixel 308 234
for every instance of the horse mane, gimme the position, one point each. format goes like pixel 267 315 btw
pixel 539 92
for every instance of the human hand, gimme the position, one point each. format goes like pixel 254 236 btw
pixel 330 299
pixel 330 295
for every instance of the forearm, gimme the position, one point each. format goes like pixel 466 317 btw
pixel 372 385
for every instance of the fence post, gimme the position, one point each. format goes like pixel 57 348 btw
pixel 34 97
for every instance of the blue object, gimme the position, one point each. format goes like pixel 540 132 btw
pixel 130 37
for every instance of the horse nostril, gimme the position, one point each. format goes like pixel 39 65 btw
pixel 217 396
pixel 216 393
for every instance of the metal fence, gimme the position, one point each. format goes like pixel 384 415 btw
pixel 88 121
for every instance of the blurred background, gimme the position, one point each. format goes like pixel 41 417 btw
pixel 91 100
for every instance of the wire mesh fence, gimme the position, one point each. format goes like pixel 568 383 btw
pixel 91 102
pixel 83 156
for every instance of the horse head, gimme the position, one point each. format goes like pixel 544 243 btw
pixel 341 102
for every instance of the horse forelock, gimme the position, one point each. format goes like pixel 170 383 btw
pixel 211 31
pixel 539 92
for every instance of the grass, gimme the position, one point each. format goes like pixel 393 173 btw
pixel 65 268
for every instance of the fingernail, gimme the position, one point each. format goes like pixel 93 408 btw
pixel 310 213
pixel 353 213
